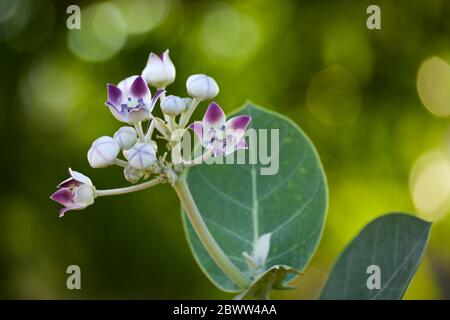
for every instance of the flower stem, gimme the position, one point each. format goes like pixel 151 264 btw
pixel 138 187
pixel 140 132
pixel 150 129
pixel 121 163
pixel 185 116
pixel 198 160
pixel 208 241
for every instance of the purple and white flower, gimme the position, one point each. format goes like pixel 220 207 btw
pixel 75 193
pixel 202 87
pixel 159 71
pixel 219 136
pixel 131 100
pixel 141 156
pixel 103 152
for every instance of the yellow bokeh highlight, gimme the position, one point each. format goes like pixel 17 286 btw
pixel 430 185
pixel 433 85
pixel 228 34
pixel 142 16
pixel 103 33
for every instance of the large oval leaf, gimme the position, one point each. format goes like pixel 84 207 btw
pixel 395 243
pixel 239 204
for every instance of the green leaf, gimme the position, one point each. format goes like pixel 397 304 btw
pixel 395 243
pixel 239 204
pixel 271 279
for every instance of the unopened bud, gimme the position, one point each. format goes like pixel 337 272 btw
pixel 103 152
pixel 126 137
pixel 202 87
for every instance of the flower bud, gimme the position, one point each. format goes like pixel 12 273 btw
pixel 187 102
pixel 75 193
pixel 202 87
pixel 141 156
pixel 126 137
pixel 173 105
pixel 132 175
pixel 159 71
pixel 103 152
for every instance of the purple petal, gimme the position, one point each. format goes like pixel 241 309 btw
pixel 68 183
pixel 63 210
pixel 214 116
pixel 241 145
pixel 118 112
pixel 197 127
pixel 239 122
pixel 155 98
pixel 217 152
pixel 139 88
pixel 63 196
pixel 115 95
pixel 81 178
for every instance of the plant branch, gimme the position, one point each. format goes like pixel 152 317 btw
pixel 205 236
pixel 185 116
pixel 140 132
pixel 138 187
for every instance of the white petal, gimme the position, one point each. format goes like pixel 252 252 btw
pixel 80 177
pixel 84 196
pixel 125 84
pixel 261 249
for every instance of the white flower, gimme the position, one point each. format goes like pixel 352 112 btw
pixel 103 152
pixel 141 156
pixel 202 87
pixel 257 260
pixel 261 249
pixel 132 175
pixel 173 105
pixel 126 137
pixel 159 71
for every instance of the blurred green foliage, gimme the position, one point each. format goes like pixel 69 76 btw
pixel 351 89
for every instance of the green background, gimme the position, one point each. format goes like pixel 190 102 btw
pixel 352 90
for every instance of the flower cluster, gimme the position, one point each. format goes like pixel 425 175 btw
pixel 132 102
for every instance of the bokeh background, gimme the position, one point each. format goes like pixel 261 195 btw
pixel 376 103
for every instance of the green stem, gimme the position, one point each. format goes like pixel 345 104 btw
pixel 140 132
pixel 211 246
pixel 185 116
pixel 138 187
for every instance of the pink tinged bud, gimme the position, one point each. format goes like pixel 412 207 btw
pixel 132 175
pixel 75 193
pixel 173 105
pixel 126 137
pixel 159 71
pixel 103 152
pixel 141 156
pixel 202 87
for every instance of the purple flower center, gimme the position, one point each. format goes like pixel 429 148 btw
pixel 133 104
